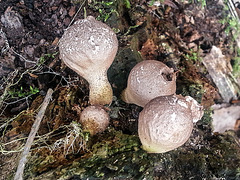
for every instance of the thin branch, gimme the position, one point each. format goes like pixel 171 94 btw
pixel 35 127
pixel 76 13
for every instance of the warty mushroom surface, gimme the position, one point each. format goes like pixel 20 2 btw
pixel 166 122
pixel 89 47
pixel 147 80
pixel 94 119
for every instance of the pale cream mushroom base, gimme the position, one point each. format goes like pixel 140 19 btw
pixel 166 122
pixel 89 47
pixel 94 119
pixel 147 80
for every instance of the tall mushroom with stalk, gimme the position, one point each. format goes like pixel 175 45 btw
pixel 166 122
pixel 147 80
pixel 89 47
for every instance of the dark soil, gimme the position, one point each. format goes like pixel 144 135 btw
pixel 30 65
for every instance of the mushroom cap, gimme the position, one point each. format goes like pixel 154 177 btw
pixel 166 122
pixel 147 80
pixel 88 46
pixel 94 119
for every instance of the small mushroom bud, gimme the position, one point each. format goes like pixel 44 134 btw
pixel 147 80
pixel 94 119
pixel 89 47
pixel 166 122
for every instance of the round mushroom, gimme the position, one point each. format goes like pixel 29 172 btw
pixel 166 122
pixel 89 47
pixel 94 119
pixel 147 80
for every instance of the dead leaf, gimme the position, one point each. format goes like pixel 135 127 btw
pixel 72 11
pixel 32 75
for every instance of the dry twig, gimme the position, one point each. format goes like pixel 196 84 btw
pixel 35 127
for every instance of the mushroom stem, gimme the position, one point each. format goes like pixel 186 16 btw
pixel 100 90
pixel 126 96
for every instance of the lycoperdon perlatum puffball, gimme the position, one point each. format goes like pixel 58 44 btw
pixel 147 80
pixel 94 119
pixel 166 122
pixel 89 47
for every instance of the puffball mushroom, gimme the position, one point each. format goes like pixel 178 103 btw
pixel 94 119
pixel 147 80
pixel 166 122
pixel 89 47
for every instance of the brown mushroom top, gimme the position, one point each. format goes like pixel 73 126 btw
pixel 147 80
pixel 94 119
pixel 88 46
pixel 166 122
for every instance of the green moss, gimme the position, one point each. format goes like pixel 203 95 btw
pixel 207 117
pixel 194 90
pixel 236 64
pixel 108 156
pixel 118 155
